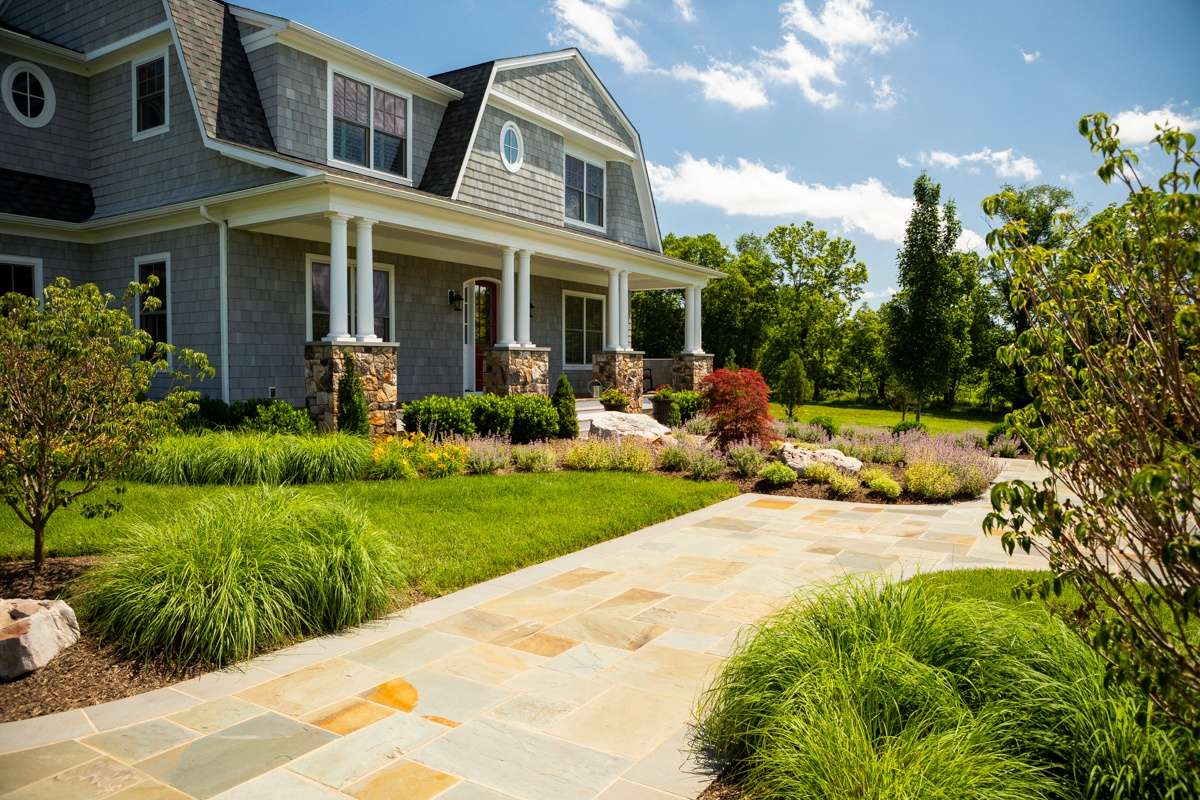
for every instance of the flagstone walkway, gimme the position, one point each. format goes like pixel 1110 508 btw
pixel 570 679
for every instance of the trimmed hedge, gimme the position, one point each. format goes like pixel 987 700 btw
pixel 523 418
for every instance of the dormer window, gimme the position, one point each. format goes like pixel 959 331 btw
pixel 583 202
pixel 369 127
pixel 512 146
pixel 151 98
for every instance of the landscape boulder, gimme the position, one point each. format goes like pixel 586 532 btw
pixel 798 458
pixel 32 632
pixel 619 425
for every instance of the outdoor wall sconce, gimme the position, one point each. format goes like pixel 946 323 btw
pixel 456 299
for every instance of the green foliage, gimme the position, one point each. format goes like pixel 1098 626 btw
pixel 881 481
pixel 864 359
pixel 900 691
pixel 563 400
pixel 534 458
pixel 674 458
pixel 839 482
pixel 704 465
pixel 437 416
pixel 746 460
pixel 237 575
pixel 251 458
pixel 777 475
pixel 689 404
pixel 999 430
pixel 657 320
pixel 602 454
pixel 487 456
pixel 930 480
pixel 73 373
pixel 277 416
pixel 793 388
pixel 1111 357
pixel 909 425
pixel 491 415
pixel 534 418
pixel 352 410
pixel 614 397
pixel 825 423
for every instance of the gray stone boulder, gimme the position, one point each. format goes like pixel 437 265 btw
pixel 619 425
pixel 798 458
pixel 32 632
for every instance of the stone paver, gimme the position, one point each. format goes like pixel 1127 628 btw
pixel 570 679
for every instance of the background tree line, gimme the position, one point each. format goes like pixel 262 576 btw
pixel 796 291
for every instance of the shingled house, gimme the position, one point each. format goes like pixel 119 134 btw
pixel 302 200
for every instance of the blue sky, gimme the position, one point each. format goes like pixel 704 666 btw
pixel 753 114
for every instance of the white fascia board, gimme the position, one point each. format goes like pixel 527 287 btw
pixel 93 61
pixel 612 150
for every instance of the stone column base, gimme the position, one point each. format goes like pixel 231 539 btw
pixel 688 369
pixel 620 369
pixel 517 370
pixel 324 366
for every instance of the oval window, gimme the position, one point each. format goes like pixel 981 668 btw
pixel 28 94
pixel 512 147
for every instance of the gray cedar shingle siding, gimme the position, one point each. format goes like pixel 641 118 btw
pixel 426 119
pixel 83 24
pixel 69 259
pixel 562 89
pixel 454 135
pixel 62 147
pixel 292 86
pixel 535 190
pixel 624 211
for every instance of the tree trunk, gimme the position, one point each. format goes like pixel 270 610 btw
pixel 39 544
pixel 918 410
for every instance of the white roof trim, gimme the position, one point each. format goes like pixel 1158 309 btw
pixel 90 62
pixel 559 125
pixel 312 41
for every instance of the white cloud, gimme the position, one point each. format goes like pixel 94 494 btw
pixel 793 63
pixel 1031 57
pixel 1137 126
pixel 596 26
pixel 739 86
pixel 904 162
pixel 1003 162
pixel 685 10
pixel 886 294
pixel 843 25
pixel 970 240
pixel 885 96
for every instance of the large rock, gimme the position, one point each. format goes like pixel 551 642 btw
pixel 619 425
pixel 32 632
pixel 798 458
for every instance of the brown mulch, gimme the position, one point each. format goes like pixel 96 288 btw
pixel 84 674
pixel 720 790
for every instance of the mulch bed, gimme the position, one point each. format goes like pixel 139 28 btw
pixel 84 674
pixel 720 790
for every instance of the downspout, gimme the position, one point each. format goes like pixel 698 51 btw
pixel 223 297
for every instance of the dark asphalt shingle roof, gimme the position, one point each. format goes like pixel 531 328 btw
pixel 458 122
pixel 31 195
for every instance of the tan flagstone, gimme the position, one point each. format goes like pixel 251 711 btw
pixel 513 635
pixel 313 687
pixel 347 716
pixel 575 578
pixel 685 620
pixel 773 504
pixel 540 604
pixel 92 780
pixel 26 766
pixel 683 603
pixel 630 601
pixel 408 651
pixel 148 790
pixel 477 624
pixel 624 721
pixel 544 643
pixel 139 741
pixel 487 663
pixel 351 758
pixel 664 669
pixel 745 606
pixel 405 779
pixel 217 714
pixel 608 629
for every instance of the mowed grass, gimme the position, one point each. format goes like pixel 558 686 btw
pixel 451 532
pixel 849 413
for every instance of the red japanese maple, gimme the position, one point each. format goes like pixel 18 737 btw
pixel 738 402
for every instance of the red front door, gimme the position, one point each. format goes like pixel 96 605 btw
pixel 485 326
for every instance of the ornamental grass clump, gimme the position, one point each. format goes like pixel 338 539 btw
pixel 329 458
pixel 889 691
pixel 237 575
pixel 241 458
pixel 534 458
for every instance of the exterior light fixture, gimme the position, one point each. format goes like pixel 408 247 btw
pixel 456 299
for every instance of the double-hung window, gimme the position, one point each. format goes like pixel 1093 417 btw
pixel 583 328
pixel 156 321
pixel 370 127
pixel 151 100
pixel 318 300
pixel 584 191
pixel 18 276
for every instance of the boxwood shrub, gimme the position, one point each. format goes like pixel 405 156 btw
pixel 491 414
pixel 437 416
pixel 534 418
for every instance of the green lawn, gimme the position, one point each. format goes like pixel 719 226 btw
pixel 994 586
pixel 849 413
pixel 454 531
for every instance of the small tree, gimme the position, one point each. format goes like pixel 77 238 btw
pixel 1112 355
pixel 352 402
pixel 738 401
pixel 794 387
pixel 564 403
pixel 73 375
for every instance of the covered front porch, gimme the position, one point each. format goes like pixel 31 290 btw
pixel 455 302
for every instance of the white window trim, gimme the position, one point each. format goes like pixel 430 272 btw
pixel 408 123
pixel 351 296
pixel 10 74
pixel 511 125
pixel 133 98
pixel 603 166
pixel 603 324
pixel 154 258
pixel 36 263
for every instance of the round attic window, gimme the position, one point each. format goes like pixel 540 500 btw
pixel 28 94
pixel 512 146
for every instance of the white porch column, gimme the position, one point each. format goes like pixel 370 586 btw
pixel 612 330
pixel 339 281
pixel 626 344
pixel 364 318
pixel 507 279
pixel 523 337
pixel 696 325
pixel 690 328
